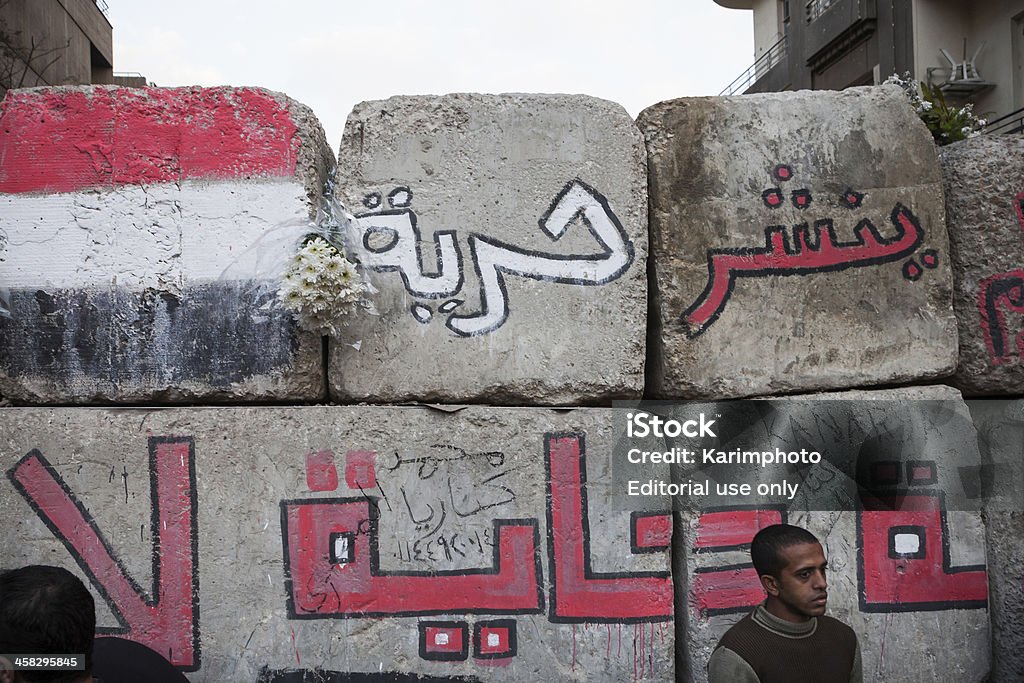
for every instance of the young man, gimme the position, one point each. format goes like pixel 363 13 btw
pixel 48 611
pixel 788 638
pixel 45 611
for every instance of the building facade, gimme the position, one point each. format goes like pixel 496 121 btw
pixel 973 51
pixel 55 42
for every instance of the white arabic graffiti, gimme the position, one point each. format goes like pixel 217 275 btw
pixel 389 241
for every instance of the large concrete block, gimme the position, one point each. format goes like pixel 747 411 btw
pixel 907 559
pixel 131 218
pixel 1001 436
pixel 507 235
pixel 984 184
pixel 381 543
pixel 798 243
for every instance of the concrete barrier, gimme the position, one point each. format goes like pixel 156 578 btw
pixel 253 544
pixel 124 212
pixel 507 235
pixel 1001 437
pixel 906 604
pixel 795 247
pixel 984 184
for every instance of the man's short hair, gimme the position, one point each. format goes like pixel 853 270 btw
pixel 767 546
pixel 46 610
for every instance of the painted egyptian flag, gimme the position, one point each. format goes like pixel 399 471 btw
pixel 122 214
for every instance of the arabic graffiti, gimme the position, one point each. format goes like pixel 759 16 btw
pixel 904 558
pixel 443 510
pixel 332 568
pixel 389 241
pixel 903 550
pixel 816 250
pixel 332 552
pixel 166 618
pixel 729 588
pixel 999 295
pixel 578 593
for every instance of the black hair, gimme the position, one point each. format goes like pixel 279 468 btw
pixel 767 546
pixel 46 610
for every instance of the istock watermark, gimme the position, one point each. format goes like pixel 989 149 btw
pixel 818 454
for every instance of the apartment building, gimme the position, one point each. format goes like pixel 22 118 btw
pixel 55 42
pixel 973 51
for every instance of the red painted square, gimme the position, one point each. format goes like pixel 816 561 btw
pixel 444 640
pixel 321 474
pixel 359 469
pixel 654 531
pixel 495 639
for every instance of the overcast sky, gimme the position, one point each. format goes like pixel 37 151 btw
pixel 332 54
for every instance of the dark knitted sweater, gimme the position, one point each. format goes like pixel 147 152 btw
pixel 822 650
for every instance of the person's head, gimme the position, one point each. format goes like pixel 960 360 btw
pixel 791 565
pixel 46 610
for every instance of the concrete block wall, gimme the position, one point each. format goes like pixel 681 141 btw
pixel 475 545
pixel 516 225
pixel 778 242
pixel 793 248
pixel 131 218
pixel 939 596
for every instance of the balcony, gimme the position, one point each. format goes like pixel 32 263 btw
pixel 772 57
pixel 834 27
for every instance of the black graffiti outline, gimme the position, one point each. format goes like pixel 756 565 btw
pixel 947 562
pixel 150 598
pixel 997 288
pixel 634 543
pixel 801 234
pixel 513 639
pixel 373 533
pixel 478 242
pixel 459 656
pixel 439 263
pixel 773 507
pixel 493 259
pixel 588 572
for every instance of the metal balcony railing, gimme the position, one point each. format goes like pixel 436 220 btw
pixel 104 7
pixel 1008 124
pixel 772 56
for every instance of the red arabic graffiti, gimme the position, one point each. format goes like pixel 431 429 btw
pixel 578 593
pixel 167 619
pixel 333 569
pixel 820 254
pixel 729 588
pixel 904 559
pixel 998 295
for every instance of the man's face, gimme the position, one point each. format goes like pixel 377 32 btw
pixel 801 590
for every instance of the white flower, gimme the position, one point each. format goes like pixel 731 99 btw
pixel 321 287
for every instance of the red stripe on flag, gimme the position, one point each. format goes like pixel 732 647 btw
pixel 60 140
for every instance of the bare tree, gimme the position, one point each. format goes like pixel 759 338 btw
pixel 24 61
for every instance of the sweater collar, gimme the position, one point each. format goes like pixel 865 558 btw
pixel 789 629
